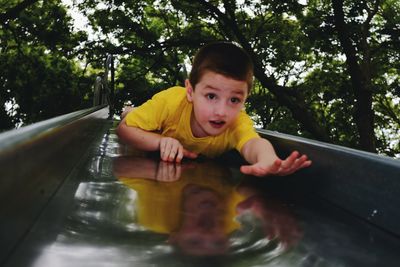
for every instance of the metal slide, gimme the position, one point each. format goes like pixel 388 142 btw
pixel 72 195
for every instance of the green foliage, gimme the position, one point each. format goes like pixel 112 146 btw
pixel 39 78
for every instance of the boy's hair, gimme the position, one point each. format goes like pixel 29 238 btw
pixel 223 58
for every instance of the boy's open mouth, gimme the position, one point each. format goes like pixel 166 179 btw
pixel 217 124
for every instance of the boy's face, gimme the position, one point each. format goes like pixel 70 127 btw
pixel 202 228
pixel 217 101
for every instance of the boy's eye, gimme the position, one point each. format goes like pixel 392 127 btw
pixel 211 96
pixel 235 100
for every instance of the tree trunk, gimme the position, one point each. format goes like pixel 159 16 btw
pixel 361 83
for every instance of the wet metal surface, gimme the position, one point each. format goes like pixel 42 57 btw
pixel 121 208
pixel 34 165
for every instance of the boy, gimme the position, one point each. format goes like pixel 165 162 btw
pixel 208 117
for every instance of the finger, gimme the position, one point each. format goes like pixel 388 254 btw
pixel 298 163
pixel 171 172
pixel 172 154
pixel 189 154
pixel 162 148
pixel 162 155
pixel 160 171
pixel 178 171
pixel 288 162
pixel 305 164
pixel 276 166
pixel 308 163
pixel 165 171
pixel 166 149
pixel 179 155
pixel 170 151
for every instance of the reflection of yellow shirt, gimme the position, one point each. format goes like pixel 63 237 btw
pixel 169 113
pixel 159 204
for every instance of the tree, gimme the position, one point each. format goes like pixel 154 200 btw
pixel 367 34
pixel 39 76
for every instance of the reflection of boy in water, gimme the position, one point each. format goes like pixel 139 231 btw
pixel 197 213
pixel 202 230
pixel 160 205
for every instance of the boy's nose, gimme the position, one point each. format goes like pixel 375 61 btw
pixel 220 110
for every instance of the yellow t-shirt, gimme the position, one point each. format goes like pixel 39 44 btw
pixel 169 112
pixel 159 204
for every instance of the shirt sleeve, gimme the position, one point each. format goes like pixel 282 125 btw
pixel 150 115
pixel 243 131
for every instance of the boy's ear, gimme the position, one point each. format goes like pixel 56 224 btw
pixel 189 90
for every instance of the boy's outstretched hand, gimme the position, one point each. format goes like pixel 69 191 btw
pixel 292 163
pixel 263 160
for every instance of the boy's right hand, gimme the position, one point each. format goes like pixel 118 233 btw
pixel 172 150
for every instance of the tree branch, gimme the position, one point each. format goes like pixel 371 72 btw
pixel 361 82
pixel 372 13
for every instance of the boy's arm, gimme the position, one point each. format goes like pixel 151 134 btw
pixel 263 160
pixel 138 138
pixel 170 148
